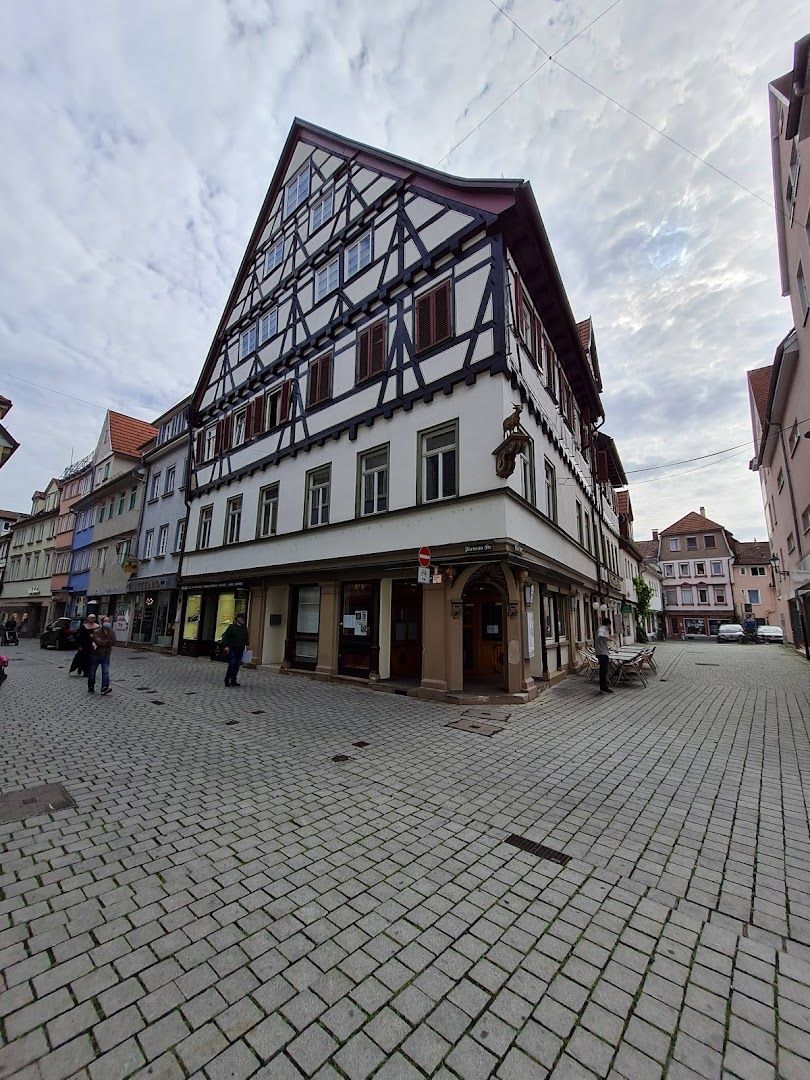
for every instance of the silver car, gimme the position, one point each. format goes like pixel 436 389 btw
pixel 731 632
pixel 770 634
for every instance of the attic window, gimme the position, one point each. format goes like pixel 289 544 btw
pixel 297 190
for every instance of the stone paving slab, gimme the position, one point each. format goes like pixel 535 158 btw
pixel 226 900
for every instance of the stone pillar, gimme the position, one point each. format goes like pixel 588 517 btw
pixel 328 628
pixel 435 630
pixel 384 630
pixel 256 623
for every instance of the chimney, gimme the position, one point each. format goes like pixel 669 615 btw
pixel 655 535
pixel 703 511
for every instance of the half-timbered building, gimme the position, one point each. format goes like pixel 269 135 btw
pixel 398 366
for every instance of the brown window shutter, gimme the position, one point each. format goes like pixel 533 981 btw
pixel 518 303
pixel 249 421
pixel 199 443
pixel 218 439
pixel 286 394
pixel 602 471
pixel 377 355
pixel 442 314
pixel 423 322
pixel 258 415
pixel 363 355
pixel 325 378
pixel 312 383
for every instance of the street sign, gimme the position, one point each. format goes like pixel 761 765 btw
pixel 423 575
pixel 424 556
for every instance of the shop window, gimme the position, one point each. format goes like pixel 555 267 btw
pixel 373 481
pixel 358 627
pixel 191 619
pixel 439 473
pixel 319 482
pixel 306 623
pixel 268 510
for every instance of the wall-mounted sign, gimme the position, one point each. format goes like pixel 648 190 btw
pixel 423 575
pixel 471 549
pixel 424 556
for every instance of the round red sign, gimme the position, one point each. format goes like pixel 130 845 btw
pixel 424 556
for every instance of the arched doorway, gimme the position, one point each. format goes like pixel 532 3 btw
pixel 484 651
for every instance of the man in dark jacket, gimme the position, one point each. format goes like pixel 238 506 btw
pixel 234 642
pixel 101 647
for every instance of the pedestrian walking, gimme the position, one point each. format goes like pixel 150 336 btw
pixel 101 646
pixel 84 641
pixel 602 650
pixel 234 643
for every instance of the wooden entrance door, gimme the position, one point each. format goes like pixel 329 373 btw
pixel 484 614
pixel 406 630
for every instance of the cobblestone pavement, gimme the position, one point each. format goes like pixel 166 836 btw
pixel 226 900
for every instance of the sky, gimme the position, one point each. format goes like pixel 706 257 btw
pixel 138 141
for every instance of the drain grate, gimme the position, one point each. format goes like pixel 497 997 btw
pixel 540 850
pixel 701 663
pixel 257 712
pixel 28 802
pixel 402 693
pixel 361 743
pixel 341 757
pixel 230 723
pixel 157 701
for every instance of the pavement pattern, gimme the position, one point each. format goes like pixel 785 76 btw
pixel 226 900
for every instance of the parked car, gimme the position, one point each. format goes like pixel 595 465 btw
pixel 772 634
pixel 62 634
pixel 731 632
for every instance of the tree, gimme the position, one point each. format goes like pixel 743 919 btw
pixel 644 592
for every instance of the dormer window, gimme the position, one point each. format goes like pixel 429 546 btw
pixel 297 190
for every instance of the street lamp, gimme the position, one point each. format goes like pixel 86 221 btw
pixel 774 560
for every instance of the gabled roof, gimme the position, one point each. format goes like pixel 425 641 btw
pixel 648 548
pixel 759 381
pixel 616 473
pixel 128 435
pixel 691 523
pixel 752 552
pixel 588 340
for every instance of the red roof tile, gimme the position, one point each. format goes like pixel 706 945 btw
pixel 623 501
pixel 648 548
pixel 752 552
pixel 584 330
pixel 128 435
pixel 759 380
pixel 692 523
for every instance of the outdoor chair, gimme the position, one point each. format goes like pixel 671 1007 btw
pixel 590 665
pixel 649 659
pixel 631 667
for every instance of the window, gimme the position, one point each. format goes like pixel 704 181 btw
pixel 549 362
pixel 268 511
pixel 274 257
pixel 122 498
pixel 371 350
pixel 801 286
pixel 322 210
pixel 587 532
pixel 683 569
pixel 780 480
pixel 107 471
pixel 373 488
pixel 163 539
pixel 239 427
pixel 703 596
pixel 716 569
pixel 700 568
pixel 268 325
pixel 358 255
pixel 686 594
pixel 133 498
pixel 791 542
pixel 719 595
pixel 433 317
pixel 758 571
pixel 551 490
pixel 247 342
pixel 179 534
pixel 101 510
pixel 154 489
pixel 670 597
pixel 210 442
pixel 439 464
pixel 674 543
pixel 204 528
pixel 806 518
pixel 327 278
pixel 297 190
pixel 318 484
pixel 669 569
pixel 579 521
pixel 277 406
pixel 794 438
pixel 319 381
pixel 525 464
pixel 233 519
pixel 753 596
pixel 148 541
pixel 168 486
pixel 710 540
pixel 691 543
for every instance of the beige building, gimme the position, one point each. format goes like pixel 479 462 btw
pixel 753 583
pixel 780 393
pixel 26 590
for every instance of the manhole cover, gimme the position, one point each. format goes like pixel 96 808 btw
pixel 230 723
pixel 28 802
pixel 361 743
pixel 341 757
pixel 540 850
pixel 476 727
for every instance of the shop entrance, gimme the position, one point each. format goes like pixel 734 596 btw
pixel 358 649
pixel 483 634
pixel 406 630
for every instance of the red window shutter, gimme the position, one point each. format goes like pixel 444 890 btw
pixel 218 439
pixel 377 352
pixel 227 427
pixel 423 322
pixel 258 415
pixel 602 471
pixel 286 394
pixel 442 315
pixel 249 421
pixel 199 444
pixel 312 383
pixel 363 355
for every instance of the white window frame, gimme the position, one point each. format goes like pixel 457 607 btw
pixel 204 527
pixel 209 442
pixel 322 210
pixel 179 534
pixel 148 541
pixel 327 279
pixel 550 480
pixel 684 590
pixel 247 341
pixel 233 520
pixel 375 476
pixel 163 540
pixel 268 501
pixel 274 257
pixel 296 190
pixel 527 489
pixel 362 251
pixel 669 569
pixel 239 427
pixel 425 455
pixel 712 571
pixel 674 543
pixel 168 485
pixel 751 593
pixel 319 485
pixel 268 326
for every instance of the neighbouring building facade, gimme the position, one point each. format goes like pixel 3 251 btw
pixel 154 590
pixel 754 583
pixel 696 556
pixel 8 444
pixel 652 575
pixel 8 519
pixel 398 366
pixel 73 483
pixel 27 581
pixel 780 393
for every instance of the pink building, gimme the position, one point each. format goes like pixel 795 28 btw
pixel 696 555
pixel 780 393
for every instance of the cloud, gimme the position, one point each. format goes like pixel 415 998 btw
pixel 138 141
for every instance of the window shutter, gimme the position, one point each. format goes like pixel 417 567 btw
pixel 423 322
pixel 218 439
pixel 258 415
pixel 286 394
pixel 363 355
pixel 602 471
pixel 325 378
pixel 442 314
pixel 227 428
pixel 199 443
pixel 377 348
pixel 312 383
pixel 518 303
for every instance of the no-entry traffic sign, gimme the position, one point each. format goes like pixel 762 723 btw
pixel 424 556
